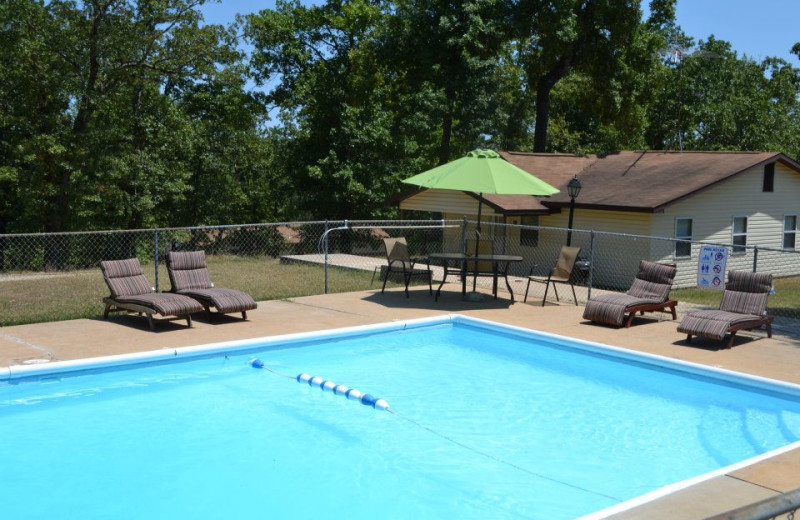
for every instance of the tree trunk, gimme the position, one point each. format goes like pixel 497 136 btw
pixel 543 89
pixel 447 126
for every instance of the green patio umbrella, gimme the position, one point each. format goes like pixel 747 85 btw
pixel 482 171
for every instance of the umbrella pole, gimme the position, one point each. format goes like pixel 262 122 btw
pixel 477 243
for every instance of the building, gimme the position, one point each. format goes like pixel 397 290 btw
pixel 738 198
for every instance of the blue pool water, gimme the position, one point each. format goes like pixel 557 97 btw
pixel 484 423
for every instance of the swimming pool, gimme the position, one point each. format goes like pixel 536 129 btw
pixel 485 421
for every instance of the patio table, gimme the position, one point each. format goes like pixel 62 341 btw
pixel 456 263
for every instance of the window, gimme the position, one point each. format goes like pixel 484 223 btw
pixel 769 177
pixel 683 237
pixel 789 231
pixel 739 234
pixel 529 237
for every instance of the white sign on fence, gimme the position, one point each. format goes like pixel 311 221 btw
pixel 711 267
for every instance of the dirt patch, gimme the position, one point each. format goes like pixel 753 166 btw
pixel 33 276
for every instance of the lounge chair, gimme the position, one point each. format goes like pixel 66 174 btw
pixel 131 292
pixel 188 275
pixel 561 273
pixel 400 262
pixel 648 293
pixel 743 307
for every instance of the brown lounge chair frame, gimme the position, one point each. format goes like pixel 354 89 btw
pixel 114 306
pixel 764 322
pixel 667 306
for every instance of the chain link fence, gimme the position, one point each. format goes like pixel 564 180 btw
pixel 290 259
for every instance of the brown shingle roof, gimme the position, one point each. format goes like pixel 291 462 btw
pixel 629 181
pixel 511 204
pixel 640 181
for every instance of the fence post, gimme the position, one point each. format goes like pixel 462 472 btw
pixel 591 264
pixel 325 246
pixel 755 259
pixel 156 257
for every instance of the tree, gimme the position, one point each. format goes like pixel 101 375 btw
pixel 711 99
pixel 344 140
pixel 94 133
pixel 597 38
pixel 34 117
pixel 232 177
pixel 452 49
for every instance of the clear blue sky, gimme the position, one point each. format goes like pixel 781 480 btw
pixel 757 28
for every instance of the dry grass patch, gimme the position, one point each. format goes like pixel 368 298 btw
pixel 40 297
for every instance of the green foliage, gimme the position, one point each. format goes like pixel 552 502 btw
pixel 712 99
pixel 134 114
pixel 100 123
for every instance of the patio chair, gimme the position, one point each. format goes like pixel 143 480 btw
pixel 743 307
pixel 400 262
pixel 561 273
pixel 131 292
pixel 188 274
pixel 648 293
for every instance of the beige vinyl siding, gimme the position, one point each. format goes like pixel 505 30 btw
pixel 616 259
pixel 627 222
pixel 500 235
pixel 713 209
pixel 451 202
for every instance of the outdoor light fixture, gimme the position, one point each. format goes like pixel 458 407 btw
pixel 573 188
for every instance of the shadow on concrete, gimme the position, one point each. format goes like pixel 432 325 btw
pixel 449 300
pixel 713 345
pixel 135 321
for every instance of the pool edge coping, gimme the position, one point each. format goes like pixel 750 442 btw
pixel 19 372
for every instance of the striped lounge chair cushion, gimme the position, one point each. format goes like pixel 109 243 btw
pixel 653 281
pixel 224 300
pixel 125 277
pixel 746 292
pixel 188 270
pixel 610 308
pixel 166 304
pixel 713 324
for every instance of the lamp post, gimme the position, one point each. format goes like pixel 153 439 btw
pixel 573 189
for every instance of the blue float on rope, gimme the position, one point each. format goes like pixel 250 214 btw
pixel 352 394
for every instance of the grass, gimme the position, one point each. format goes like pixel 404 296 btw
pixel 785 301
pixel 39 297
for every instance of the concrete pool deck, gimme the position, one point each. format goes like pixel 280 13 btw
pixel 776 358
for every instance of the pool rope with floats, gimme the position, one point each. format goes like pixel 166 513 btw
pixel 353 394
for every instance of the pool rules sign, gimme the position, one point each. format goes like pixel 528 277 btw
pixel 711 267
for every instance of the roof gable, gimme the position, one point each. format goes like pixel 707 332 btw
pixel 651 180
